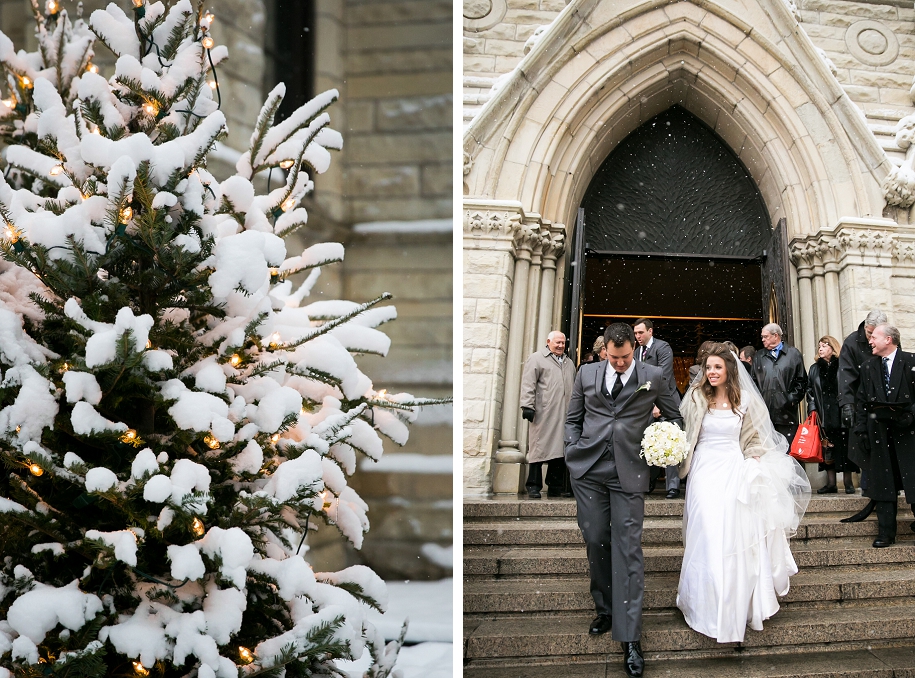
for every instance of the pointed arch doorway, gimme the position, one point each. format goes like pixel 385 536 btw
pixel 672 227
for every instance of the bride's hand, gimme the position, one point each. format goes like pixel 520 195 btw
pixel 756 458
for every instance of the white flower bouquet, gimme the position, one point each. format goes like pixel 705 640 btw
pixel 664 444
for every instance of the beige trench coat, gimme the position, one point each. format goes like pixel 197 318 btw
pixel 546 388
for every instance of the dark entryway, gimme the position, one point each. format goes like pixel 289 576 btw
pixel 673 228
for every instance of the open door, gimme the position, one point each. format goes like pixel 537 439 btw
pixel 776 286
pixel 577 280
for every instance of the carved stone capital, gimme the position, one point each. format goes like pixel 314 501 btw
pixel 802 253
pixel 904 251
pixel 870 241
pixel 491 223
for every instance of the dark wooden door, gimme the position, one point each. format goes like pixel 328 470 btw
pixel 776 285
pixel 577 280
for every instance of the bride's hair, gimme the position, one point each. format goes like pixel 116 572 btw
pixel 732 385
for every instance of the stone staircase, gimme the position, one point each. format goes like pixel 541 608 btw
pixel 850 611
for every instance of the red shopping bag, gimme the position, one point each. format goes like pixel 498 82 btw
pixel 807 447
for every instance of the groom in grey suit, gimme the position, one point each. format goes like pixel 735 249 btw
pixel 611 406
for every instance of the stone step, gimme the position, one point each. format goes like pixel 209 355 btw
pixel 520 638
pixel 655 505
pixel 528 561
pixel 656 530
pixel 822 585
pixel 872 662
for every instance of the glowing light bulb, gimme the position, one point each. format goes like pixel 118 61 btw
pixel 209 18
pixel 140 669
pixel 26 82
pixel 150 109
pixel 207 42
pixel 235 360
pixel 211 442
pixel 9 103
pixel 212 84
pixel 129 436
pixel 382 393
pixel 91 67
pixel 36 470
pixel 198 527
pixel 274 339
pixel 126 214
pixel 148 344
pixel 325 504
pixel 57 169
pixel 65 367
pixel 288 204
pixel 138 3
pixel 95 130
pixel 275 438
pixel 245 654
pixel 18 428
pixel 52 6
pixel 274 271
pixel 286 164
pixel 12 233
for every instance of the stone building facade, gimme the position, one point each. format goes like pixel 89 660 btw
pixel 387 197
pixel 815 99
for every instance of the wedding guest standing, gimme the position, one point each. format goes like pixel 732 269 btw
pixel 823 398
pixel 546 386
pixel 886 390
pixel 780 376
pixel 695 370
pixel 855 350
pixel 653 351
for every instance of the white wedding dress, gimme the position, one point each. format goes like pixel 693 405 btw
pixel 736 557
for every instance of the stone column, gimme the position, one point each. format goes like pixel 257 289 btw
pixel 508 466
pixel 827 251
pixel 532 342
pixel 802 256
pixel 551 251
pixel 819 299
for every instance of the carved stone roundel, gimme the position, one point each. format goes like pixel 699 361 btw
pixel 872 43
pixel 482 14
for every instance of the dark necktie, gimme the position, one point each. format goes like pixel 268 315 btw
pixel 644 353
pixel 886 376
pixel 618 386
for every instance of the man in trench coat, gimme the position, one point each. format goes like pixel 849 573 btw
pixel 885 421
pixel 546 386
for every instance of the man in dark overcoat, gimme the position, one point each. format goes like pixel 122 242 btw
pixel 781 378
pixel 884 416
pixel 855 350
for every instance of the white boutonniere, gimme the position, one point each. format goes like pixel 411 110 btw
pixel 644 387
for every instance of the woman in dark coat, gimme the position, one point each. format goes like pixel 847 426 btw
pixel 822 398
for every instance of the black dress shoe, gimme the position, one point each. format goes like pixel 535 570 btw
pixel 862 514
pixel 673 494
pixel 849 489
pixel 882 541
pixel 533 494
pixel 633 661
pixel 600 624
pixel 828 489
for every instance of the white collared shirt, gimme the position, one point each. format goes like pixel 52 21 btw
pixel 644 349
pixel 890 358
pixel 611 377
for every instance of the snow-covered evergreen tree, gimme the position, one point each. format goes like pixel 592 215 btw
pixel 173 417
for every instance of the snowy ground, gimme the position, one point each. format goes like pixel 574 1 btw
pixel 428 606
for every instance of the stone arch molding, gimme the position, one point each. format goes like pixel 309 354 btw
pixel 745 68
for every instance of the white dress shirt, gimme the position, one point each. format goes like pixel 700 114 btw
pixel 611 377
pixel 889 364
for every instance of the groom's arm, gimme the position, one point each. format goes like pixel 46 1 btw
pixel 575 416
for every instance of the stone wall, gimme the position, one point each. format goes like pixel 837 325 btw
pixel 872 46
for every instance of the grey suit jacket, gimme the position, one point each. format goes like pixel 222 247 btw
pixel 595 421
pixel 662 355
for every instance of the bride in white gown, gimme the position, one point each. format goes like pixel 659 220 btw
pixel 744 500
